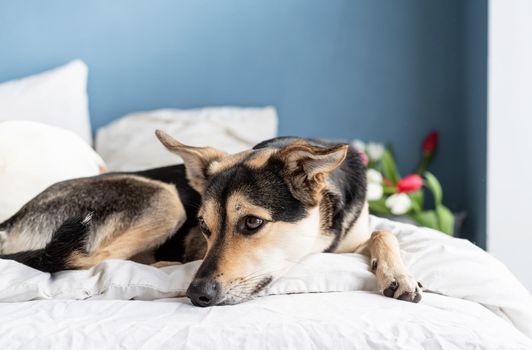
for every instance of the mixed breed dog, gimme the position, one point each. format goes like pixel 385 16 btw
pixel 250 216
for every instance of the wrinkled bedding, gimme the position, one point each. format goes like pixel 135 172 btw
pixel 343 320
pixel 481 305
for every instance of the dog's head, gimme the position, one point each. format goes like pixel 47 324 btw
pixel 259 213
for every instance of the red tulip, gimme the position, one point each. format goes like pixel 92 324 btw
pixel 430 143
pixel 410 183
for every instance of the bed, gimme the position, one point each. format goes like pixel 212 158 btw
pixel 326 301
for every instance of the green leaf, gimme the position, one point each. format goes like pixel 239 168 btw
pixel 445 219
pixel 417 200
pixel 434 186
pixel 389 169
pixel 379 208
pixel 389 189
pixel 426 218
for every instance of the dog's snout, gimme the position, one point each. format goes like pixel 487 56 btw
pixel 203 292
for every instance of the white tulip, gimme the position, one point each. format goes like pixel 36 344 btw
pixel 399 203
pixel 374 191
pixel 374 176
pixel 375 151
pixel 358 145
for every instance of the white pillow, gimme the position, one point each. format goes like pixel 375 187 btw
pixel 129 143
pixel 57 97
pixel 34 156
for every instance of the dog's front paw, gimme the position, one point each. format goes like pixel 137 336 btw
pixel 402 287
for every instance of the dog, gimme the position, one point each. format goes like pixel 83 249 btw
pixel 250 216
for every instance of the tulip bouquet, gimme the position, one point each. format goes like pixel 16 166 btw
pixel 391 195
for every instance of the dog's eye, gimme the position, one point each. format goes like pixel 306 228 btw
pixel 252 223
pixel 203 227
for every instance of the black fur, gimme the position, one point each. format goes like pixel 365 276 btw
pixel 174 248
pixel 6 224
pixel 68 238
pixel 349 179
pixel 266 188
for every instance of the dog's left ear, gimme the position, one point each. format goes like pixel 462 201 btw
pixel 197 159
pixel 307 166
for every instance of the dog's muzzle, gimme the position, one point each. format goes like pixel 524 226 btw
pixel 204 292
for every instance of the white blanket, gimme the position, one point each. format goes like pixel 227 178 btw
pixel 472 280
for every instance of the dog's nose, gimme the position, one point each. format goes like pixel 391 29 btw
pixel 203 292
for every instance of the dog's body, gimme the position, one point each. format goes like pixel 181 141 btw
pixel 146 216
pixel 261 211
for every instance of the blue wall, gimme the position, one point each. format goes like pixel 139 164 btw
pixel 388 71
pixel 475 98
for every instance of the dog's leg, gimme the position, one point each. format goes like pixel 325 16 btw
pixel 144 234
pixel 392 277
pixel 126 245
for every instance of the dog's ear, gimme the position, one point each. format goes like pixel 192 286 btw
pixel 197 159
pixel 307 166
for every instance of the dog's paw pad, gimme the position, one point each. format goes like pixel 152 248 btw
pixel 414 297
pixel 403 288
pixel 390 291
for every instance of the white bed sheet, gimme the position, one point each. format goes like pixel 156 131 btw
pixel 485 306
pixel 342 320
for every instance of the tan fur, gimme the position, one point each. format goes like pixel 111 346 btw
pixel 227 162
pixel 108 231
pixel 160 264
pixel 259 158
pixel 307 167
pixel 271 251
pixel 197 159
pixel 238 206
pixel 146 233
pixel 385 257
pixel 252 158
pixel 195 246
pixel 210 212
pixel 313 159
